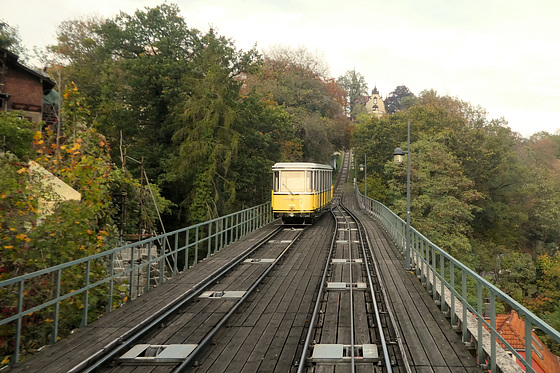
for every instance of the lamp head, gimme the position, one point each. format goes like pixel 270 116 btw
pixel 398 155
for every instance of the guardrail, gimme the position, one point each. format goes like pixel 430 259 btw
pixel 467 298
pixel 111 278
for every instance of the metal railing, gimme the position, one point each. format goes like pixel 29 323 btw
pixel 467 298
pixel 103 281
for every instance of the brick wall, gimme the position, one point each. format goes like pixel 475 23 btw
pixel 23 88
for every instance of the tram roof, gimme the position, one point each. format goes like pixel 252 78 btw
pixel 300 166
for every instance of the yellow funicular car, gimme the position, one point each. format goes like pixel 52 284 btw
pixel 301 191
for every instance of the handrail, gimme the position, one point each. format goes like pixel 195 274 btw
pixel 104 285
pixel 439 270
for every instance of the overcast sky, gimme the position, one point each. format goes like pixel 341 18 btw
pixel 500 54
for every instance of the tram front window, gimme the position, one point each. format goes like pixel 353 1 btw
pixel 292 181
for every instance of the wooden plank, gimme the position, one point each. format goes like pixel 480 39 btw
pixel 220 357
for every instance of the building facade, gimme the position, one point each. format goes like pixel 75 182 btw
pixel 374 104
pixel 22 88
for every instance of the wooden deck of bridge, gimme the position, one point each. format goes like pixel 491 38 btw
pixel 267 333
pixel 70 351
pixel 431 344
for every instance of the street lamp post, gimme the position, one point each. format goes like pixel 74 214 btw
pixel 363 167
pixel 398 157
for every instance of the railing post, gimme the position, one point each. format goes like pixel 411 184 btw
pixel 149 268
pixel 209 225
pixel 86 295
pixel 442 288
pixel 493 334
pixel 162 264
pixel 480 311
pixel 15 358
pixel 54 336
pixel 237 226
pixel 528 344
pixel 434 274
pixel 465 302
pixel 131 275
pixel 452 282
pixel 175 253
pixel 196 247
pixel 187 234
pixel 111 282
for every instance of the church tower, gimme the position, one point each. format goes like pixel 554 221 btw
pixel 375 104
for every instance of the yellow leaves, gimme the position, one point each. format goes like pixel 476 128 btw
pixel 23 237
pixel 3 195
pixel 37 135
pixel 13 229
pixel 89 231
pixel 8 247
pixel 22 170
pixel 6 360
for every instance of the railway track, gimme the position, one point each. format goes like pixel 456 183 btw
pixel 177 334
pixel 351 327
pixel 216 326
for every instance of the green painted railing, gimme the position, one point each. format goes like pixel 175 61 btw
pixel 467 298
pixel 154 260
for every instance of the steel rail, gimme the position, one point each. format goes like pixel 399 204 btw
pixel 310 331
pixel 380 327
pixel 352 334
pixel 117 346
pixel 187 363
pixel 389 309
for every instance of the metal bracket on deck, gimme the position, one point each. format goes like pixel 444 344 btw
pixel 259 260
pixel 228 294
pixel 339 353
pixel 145 354
pixel 346 286
pixel 342 261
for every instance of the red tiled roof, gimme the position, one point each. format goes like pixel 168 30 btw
pixel 512 328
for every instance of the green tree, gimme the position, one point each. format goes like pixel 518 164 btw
pixel 443 203
pixel 15 134
pixel 10 39
pixel 265 130
pixel 517 275
pixel 314 103
pixel 400 99
pixel 208 134
pixel 356 88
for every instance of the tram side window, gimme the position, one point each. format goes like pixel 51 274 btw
pixel 276 181
pixel 309 179
pixel 315 181
pixel 292 181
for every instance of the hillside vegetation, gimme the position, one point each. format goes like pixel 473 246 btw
pixel 146 98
